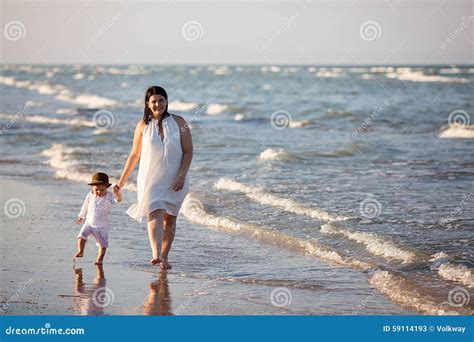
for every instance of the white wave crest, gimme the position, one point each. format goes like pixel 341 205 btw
pixel 400 291
pixel 181 106
pixel 90 101
pixel 46 120
pixel 62 93
pixel 215 109
pixel 452 272
pixel 329 73
pixel 259 195
pixel 457 132
pixel 222 70
pixel 67 160
pixel 62 157
pixel 272 154
pixel 65 111
pixel 459 273
pixel 373 243
pixel 299 123
pixel 240 117
pixel 194 211
pixel 407 74
pixel 132 70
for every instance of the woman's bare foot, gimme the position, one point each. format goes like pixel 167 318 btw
pixel 165 265
pixel 79 255
pixel 155 261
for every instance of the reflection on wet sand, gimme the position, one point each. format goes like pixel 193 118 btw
pixel 159 300
pixel 91 299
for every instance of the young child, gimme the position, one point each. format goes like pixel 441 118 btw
pixel 95 215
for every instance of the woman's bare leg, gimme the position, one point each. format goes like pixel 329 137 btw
pixel 155 234
pixel 169 224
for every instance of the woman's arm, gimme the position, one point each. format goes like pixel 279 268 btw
pixel 134 155
pixel 187 147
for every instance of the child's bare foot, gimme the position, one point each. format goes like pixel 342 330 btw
pixel 155 261
pixel 165 265
pixel 79 255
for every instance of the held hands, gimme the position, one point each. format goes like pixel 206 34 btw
pixel 79 220
pixel 178 183
pixel 117 193
pixel 116 188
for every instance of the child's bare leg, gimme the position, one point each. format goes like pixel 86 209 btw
pixel 100 256
pixel 81 243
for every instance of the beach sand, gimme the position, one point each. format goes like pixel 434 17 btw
pixel 39 277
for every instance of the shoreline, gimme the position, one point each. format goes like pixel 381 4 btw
pixel 39 277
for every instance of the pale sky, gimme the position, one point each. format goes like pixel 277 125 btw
pixel 238 32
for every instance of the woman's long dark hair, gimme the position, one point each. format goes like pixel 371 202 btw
pixel 147 113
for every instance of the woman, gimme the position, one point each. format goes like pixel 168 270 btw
pixel 162 143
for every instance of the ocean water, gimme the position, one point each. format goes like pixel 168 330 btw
pixel 368 169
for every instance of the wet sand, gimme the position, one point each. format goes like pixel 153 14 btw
pixel 39 277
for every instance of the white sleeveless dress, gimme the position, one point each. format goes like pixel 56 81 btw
pixel 160 162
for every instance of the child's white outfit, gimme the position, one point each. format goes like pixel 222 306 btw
pixel 95 211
